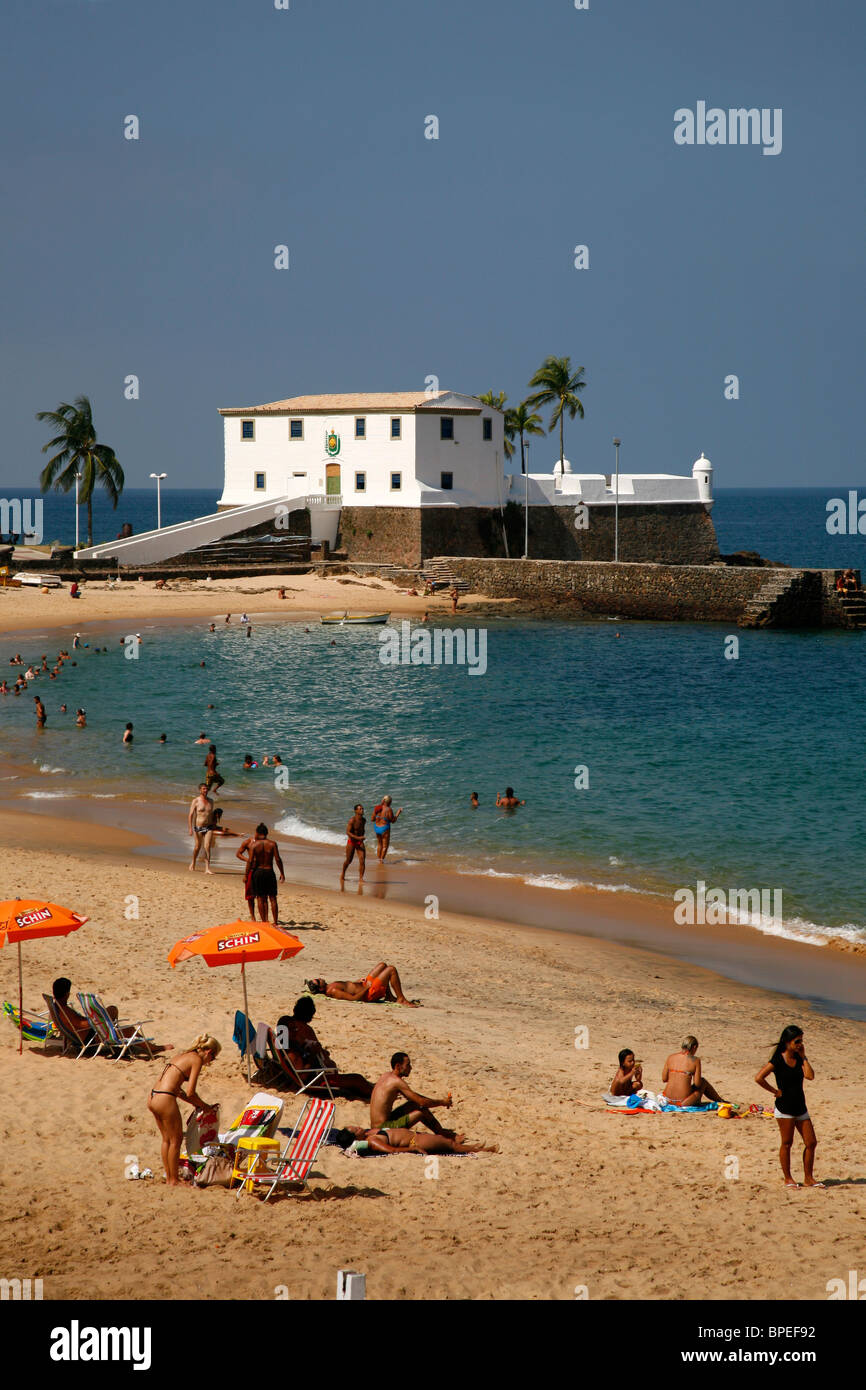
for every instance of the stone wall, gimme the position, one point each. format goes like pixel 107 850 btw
pixel 713 593
pixel 678 534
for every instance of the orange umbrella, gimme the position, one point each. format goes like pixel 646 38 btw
pixel 22 919
pixel 236 943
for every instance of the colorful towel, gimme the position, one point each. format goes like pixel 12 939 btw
pixel 35 1030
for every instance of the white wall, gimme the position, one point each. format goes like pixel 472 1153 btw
pixel 152 546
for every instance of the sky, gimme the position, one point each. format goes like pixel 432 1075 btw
pixel 453 257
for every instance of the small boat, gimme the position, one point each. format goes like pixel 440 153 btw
pixel 355 619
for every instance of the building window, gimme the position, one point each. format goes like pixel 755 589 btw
pixel 446 481
pixel 487 428
pixel 296 429
pixel 396 482
pixel 446 427
pixel 260 482
pixel 360 482
pixel 360 427
pixel 396 427
pixel 248 429
pixel 299 475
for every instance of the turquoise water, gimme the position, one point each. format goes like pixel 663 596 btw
pixel 743 773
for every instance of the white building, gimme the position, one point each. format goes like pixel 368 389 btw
pixel 385 449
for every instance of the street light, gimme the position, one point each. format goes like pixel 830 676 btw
pixel 159 477
pixel 77 481
pixel 616 444
pixel 526 501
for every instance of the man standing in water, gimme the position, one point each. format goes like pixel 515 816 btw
pixel 260 884
pixel 201 826
pixel 213 778
pixel 40 713
pixel 355 832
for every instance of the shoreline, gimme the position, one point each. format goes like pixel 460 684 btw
pixel 831 981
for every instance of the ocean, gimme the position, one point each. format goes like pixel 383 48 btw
pixel 649 761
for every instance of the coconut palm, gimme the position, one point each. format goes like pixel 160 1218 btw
pixel 524 421
pixel 560 387
pixel 79 453
pixel 497 400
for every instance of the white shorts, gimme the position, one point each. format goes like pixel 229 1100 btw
pixel 779 1116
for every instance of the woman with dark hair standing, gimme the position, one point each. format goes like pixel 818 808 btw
pixel 790 1066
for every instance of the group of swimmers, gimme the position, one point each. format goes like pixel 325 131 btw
pixel 685 1085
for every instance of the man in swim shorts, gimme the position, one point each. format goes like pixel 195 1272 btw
pixel 374 988
pixel 261 881
pixel 355 832
pixel 212 777
pixel 417 1108
pixel 201 824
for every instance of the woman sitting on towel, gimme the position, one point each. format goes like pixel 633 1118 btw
pixel 163 1099
pixel 629 1077
pixel 683 1082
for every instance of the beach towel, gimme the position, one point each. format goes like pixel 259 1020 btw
pixel 238 1035
pixel 646 1103
pixel 258 1119
pixel 34 1030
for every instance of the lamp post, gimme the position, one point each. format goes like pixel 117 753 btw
pixel 526 503
pixel 77 481
pixel 159 477
pixel 616 444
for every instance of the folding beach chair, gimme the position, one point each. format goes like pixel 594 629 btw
pixel 110 1032
pixel 258 1119
pixel 297 1158
pixel 305 1079
pixel 71 1040
pixel 36 1027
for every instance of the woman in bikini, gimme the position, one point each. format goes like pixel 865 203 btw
pixel 402 1141
pixel 681 1075
pixel 791 1066
pixel 163 1099
pixel 375 987
pixel 384 817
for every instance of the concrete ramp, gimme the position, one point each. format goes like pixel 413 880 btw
pixel 150 547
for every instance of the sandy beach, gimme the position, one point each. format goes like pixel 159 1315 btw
pixel 662 1207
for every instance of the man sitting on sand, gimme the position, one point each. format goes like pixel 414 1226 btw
pixel 404 1141
pixel 417 1109
pixel 375 988
pixel 298 1040
pixel 629 1076
pixel 681 1074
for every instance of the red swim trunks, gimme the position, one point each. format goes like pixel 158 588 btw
pixel 376 989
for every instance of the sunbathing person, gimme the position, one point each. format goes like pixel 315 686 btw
pixel 375 988
pixel 162 1101
pixel 417 1109
pixel 681 1075
pixel 82 1027
pixel 629 1076
pixel 299 1042
pixel 406 1141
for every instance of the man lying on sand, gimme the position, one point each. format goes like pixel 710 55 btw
pixel 418 1108
pixel 681 1075
pixel 373 989
pixel 404 1141
pixel 629 1076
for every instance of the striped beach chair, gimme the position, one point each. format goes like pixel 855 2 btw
pixel 71 1040
pixel 297 1158
pixel 307 1079
pixel 111 1033
pixel 36 1028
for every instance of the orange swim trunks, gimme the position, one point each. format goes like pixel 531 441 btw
pixel 376 989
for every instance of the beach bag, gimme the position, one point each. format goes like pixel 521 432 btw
pixel 216 1172
pixel 202 1129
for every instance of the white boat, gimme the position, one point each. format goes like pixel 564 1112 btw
pixel 39 581
pixel 354 619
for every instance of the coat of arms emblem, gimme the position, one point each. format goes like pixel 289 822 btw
pixel 332 443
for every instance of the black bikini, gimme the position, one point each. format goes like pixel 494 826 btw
pixel 176 1094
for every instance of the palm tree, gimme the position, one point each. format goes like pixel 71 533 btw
pixel 560 387
pixel 79 453
pixel 525 422
pixel 497 400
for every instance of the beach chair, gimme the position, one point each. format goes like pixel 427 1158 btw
pixel 258 1119
pixel 305 1079
pixel 71 1041
pixel 110 1032
pixel 297 1158
pixel 37 1027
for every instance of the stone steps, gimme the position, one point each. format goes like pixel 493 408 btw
pixel 762 610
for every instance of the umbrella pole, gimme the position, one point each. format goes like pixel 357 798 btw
pixel 246 1016
pixel 20 1005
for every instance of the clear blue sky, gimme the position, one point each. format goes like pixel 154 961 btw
pixel 455 257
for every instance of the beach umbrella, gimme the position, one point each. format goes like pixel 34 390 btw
pixel 23 919
pixel 237 943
